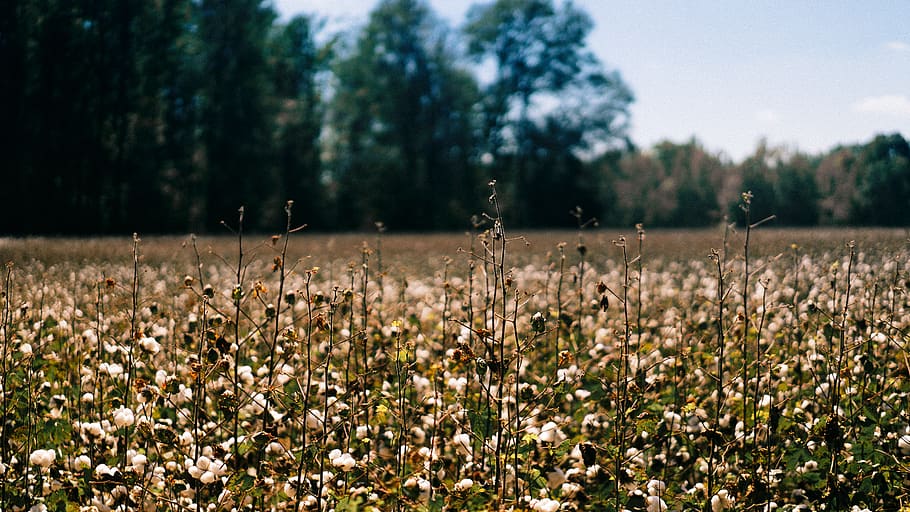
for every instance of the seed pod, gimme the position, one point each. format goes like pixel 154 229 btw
pixel 481 365
pixel 588 453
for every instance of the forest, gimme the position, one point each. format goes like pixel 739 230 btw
pixel 167 116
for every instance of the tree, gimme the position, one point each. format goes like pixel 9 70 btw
pixel 675 185
pixel 539 51
pixel 796 190
pixel 296 64
pixel 836 183
pixel 698 177
pixel 235 118
pixel 757 177
pixel 402 117
pixel 14 38
pixel 884 182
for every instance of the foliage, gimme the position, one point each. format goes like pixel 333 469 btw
pixel 884 182
pixel 403 121
pixel 540 53
pixel 168 116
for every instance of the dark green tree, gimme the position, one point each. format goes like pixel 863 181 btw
pixel 402 117
pixel 797 192
pixel 884 182
pixel 539 51
pixel 236 123
pixel 297 65
pixel 169 139
pixel 86 92
pixel 15 21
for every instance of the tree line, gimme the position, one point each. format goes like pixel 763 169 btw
pixel 166 116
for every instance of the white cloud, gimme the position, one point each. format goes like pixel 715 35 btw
pixel 889 104
pixel 767 115
pixel 897 46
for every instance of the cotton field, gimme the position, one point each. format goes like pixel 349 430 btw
pixel 550 371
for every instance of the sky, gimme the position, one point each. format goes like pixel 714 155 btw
pixel 800 74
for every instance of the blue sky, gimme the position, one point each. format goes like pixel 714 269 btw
pixel 805 75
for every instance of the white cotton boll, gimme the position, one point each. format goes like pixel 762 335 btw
pixel 314 419
pixel 150 345
pixel 203 463
pixel 422 485
pixel 463 443
pixel 195 472
pixel 40 507
pixel 82 462
pixel 139 460
pixel 345 462
pixel 290 487
pixel 656 487
pixel 464 485
pixel 275 447
pixel 721 501
pixel 102 470
pixel 655 504
pixel 124 417
pixel 93 429
pixel 783 370
pixel 25 348
pixel 550 433
pixel 457 384
pixel 43 458
pixel 903 444
pixel 219 467
pixel 544 505
pixel 114 370
pixel 568 490
pixel 207 477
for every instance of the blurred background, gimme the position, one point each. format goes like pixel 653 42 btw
pixel 165 116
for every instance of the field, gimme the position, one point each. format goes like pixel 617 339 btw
pixel 543 371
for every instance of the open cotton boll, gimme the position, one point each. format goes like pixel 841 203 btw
pixel 150 345
pixel 345 462
pixel 655 504
pixel 124 417
pixel 544 505
pixel 464 485
pixel 43 458
pixel 550 433
pixel 903 444
pixel 721 501
pixel 82 462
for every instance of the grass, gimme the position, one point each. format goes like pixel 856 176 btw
pixel 489 370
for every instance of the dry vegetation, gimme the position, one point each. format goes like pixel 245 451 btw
pixel 458 372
